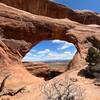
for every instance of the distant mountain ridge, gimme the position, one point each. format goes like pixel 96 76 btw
pixel 56 61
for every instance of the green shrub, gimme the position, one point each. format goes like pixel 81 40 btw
pixel 93 56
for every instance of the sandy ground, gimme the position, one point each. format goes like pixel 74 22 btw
pixel 92 91
pixel 33 84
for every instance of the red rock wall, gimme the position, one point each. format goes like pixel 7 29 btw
pixel 41 7
pixel 51 9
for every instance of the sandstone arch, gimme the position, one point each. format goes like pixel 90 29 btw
pixel 22 30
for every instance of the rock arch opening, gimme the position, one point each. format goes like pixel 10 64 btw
pixel 49 58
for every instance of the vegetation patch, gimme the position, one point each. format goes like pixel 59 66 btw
pixel 93 59
pixel 62 90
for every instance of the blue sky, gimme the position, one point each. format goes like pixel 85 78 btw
pixel 51 50
pixel 56 49
pixel 93 5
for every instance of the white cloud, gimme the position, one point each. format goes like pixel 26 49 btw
pixel 57 41
pixel 68 53
pixel 47 54
pixel 34 55
pixel 51 0
pixel 33 50
pixel 32 59
pixel 62 44
pixel 65 55
pixel 29 54
pixel 44 51
pixel 65 45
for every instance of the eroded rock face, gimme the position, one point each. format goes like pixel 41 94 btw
pixel 43 70
pixel 11 66
pixel 25 30
pixel 40 7
pixel 54 10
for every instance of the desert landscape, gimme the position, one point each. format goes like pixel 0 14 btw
pixel 24 24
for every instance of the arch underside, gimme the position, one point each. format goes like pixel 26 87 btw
pixel 21 30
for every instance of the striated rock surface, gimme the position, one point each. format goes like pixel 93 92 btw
pixel 11 66
pixel 51 9
pixel 40 7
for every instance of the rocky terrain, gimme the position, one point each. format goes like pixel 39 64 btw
pixel 21 30
pixel 43 70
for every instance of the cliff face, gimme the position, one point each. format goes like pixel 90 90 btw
pixel 40 7
pixel 54 10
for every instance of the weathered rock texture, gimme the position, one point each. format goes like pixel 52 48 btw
pixel 20 30
pixel 40 7
pixel 12 67
pixel 43 70
pixel 51 9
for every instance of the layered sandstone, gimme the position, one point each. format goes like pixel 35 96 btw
pixel 40 7
pixel 54 10
pixel 11 66
pixel 41 69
